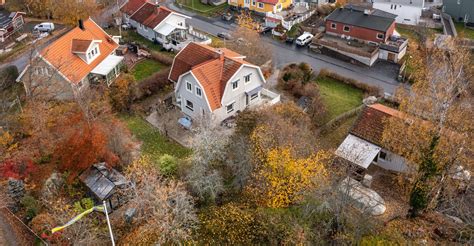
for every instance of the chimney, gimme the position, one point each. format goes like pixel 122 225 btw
pixel 81 24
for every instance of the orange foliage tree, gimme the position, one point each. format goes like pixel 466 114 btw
pixel 85 144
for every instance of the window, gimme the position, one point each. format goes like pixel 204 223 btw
pixel 189 87
pixel 189 105
pixel 198 91
pixel 333 25
pixel 347 28
pixel 383 155
pixel 254 2
pixel 235 85
pixel 230 108
pixel 380 36
pixel 253 96
pixel 279 6
pixel 41 71
pixel 260 5
pixel 247 78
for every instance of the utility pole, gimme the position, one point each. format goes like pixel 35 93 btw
pixel 108 224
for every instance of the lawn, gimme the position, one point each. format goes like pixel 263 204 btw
pixel 338 97
pixel 201 8
pixel 146 68
pixel 464 31
pixel 153 143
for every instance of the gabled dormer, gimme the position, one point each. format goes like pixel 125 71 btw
pixel 87 50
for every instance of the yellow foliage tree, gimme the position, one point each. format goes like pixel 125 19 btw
pixel 281 179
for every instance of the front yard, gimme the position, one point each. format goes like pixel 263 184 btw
pixel 338 97
pixel 154 144
pixel 201 8
pixel 146 68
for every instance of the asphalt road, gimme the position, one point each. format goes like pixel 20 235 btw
pixel 382 74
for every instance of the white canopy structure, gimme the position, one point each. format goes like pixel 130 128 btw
pixel 107 65
pixel 358 151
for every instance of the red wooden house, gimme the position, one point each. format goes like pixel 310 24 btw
pixel 10 23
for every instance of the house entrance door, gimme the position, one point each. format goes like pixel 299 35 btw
pixel 391 56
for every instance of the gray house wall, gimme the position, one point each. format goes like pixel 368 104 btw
pixel 51 85
pixel 460 11
pixel 201 108
pixel 237 96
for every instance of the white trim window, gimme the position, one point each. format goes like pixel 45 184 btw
pixel 254 2
pixel 230 107
pixel 198 92
pixel 247 78
pixel 235 85
pixel 347 28
pixel 333 25
pixel 189 105
pixel 41 71
pixel 380 36
pixel 260 5
pixel 189 86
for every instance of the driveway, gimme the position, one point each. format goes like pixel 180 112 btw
pixel 382 74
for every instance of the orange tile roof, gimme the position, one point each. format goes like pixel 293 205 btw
pixel 79 45
pixel 213 67
pixel 60 55
pixel 132 6
pixel 151 14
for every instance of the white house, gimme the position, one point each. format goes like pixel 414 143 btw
pixel 160 24
pixel 216 83
pixel 408 11
pixel 363 146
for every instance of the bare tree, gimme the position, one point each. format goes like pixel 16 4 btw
pixel 249 43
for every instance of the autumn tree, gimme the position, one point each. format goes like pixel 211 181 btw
pixel 436 125
pixel 248 43
pixel 121 93
pixel 67 11
pixel 165 211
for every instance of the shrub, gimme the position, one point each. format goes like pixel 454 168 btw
pixel 168 164
pixel 162 58
pixel 122 93
pixel 31 206
pixel 8 76
pixel 368 89
pixel 156 82
pixel 83 205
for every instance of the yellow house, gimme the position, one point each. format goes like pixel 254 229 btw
pixel 262 6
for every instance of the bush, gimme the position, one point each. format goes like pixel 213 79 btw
pixel 122 93
pixel 162 58
pixel 83 205
pixel 8 76
pixel 31 206
pixel 168 164
pixel 156 82
pixel 368 89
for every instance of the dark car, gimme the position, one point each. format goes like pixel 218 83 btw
pixel 266 30
pixel 290 40
pixel 224 35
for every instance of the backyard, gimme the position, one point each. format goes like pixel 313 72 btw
pixel 464 32
pixel 146 68
pixel 154 144
pixel 338 97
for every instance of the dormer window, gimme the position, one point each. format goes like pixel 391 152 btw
pixel 87 50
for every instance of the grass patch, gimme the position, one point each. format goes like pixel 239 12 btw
pixel 464 31
pixel 338 97
pixel 146 68
pixel 205 9
pixel 153 143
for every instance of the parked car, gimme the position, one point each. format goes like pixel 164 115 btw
pixel 227 16
pixel 44 27
pixel 265 30
pixel 224 35
pixel 304 39
pixel 290 40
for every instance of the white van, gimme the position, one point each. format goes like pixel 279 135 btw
pixel 304 39
pixel 44 27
